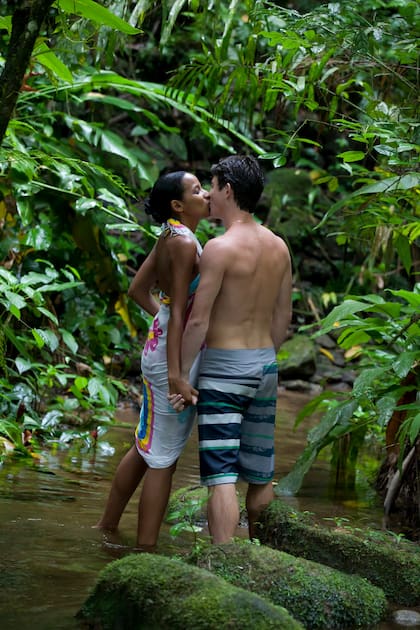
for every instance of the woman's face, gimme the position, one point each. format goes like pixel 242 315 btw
pixel 195 199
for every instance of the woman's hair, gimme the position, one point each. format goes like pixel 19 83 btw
pixel 168 187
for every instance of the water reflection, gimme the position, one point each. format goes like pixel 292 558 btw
pixel 50 555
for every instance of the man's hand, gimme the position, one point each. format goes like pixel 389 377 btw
pixel 181 394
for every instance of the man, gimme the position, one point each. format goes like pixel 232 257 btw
pixel 241 314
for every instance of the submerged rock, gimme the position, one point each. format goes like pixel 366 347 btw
pixel 407 618
pixel 318 596
pixel 391 565
pixel 154 592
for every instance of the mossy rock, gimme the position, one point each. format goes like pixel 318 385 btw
pixel 390 565
pixel 316 595
pixel 153 592
pixel 297 358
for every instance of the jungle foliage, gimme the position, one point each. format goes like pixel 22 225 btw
pixel 325 94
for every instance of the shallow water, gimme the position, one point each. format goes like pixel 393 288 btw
pixel 50 555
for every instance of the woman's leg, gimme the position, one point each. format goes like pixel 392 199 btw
pixel 128 475
pixel 152 505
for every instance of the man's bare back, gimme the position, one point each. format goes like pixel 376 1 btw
pixel 254 263
pixel 244 296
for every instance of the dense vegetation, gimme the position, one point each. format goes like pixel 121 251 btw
pixel 99 100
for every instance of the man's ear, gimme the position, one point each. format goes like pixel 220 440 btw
pixel 229 191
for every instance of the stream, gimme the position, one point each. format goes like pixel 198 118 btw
pixel 50 554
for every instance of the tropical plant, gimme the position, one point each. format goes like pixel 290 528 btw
pixel 384 337
pixel 43 389
pixel 185 519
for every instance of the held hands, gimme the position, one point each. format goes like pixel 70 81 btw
pixel 182 395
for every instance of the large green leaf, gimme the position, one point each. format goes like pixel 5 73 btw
pixel 339 313
pixel 338 419
pixel 6 23
pixel 229 24
pixel 368 381
pixel 385 407
pixel 349 338
pixel 9 278
pixel 398 182
pixel 69 340
pixel 47 336
pixel 112 143
pixel 115 202
pixel 91 10
pixel 177 99
pixel 405 362
pixel 45 56
pixel 169 23
pixel 48 314
pixel 14 299
pixel 413 298
pixel 34 278
pixel 22 365
pixel 352 156
pixel 414 429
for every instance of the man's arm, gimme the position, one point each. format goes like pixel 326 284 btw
pixel 283 308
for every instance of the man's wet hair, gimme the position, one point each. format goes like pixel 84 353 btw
pixel 245 175
pixel 167 188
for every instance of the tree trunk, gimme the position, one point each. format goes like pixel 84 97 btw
pixel 26 25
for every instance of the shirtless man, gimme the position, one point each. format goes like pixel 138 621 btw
pixel 241 314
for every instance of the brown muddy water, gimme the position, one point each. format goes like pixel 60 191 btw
pixel 50 555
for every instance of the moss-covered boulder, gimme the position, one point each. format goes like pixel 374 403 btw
pixel 391 565
pixel 154 592
pixel 297 358
pixel 316 595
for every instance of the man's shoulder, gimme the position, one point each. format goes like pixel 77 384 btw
pixel 274 234
pixel 270 235
pixel 217 242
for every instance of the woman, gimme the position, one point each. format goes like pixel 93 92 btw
pixel 179 202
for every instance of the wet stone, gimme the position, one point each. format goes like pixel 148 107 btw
pixel 406 618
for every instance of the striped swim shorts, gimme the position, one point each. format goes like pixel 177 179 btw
pixel 236 415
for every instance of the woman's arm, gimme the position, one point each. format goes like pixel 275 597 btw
pixel 182 253
pixel 140 289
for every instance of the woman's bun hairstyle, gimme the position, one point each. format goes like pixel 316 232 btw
pixel 167 188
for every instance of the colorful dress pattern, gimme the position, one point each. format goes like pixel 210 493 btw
pixel 161 433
